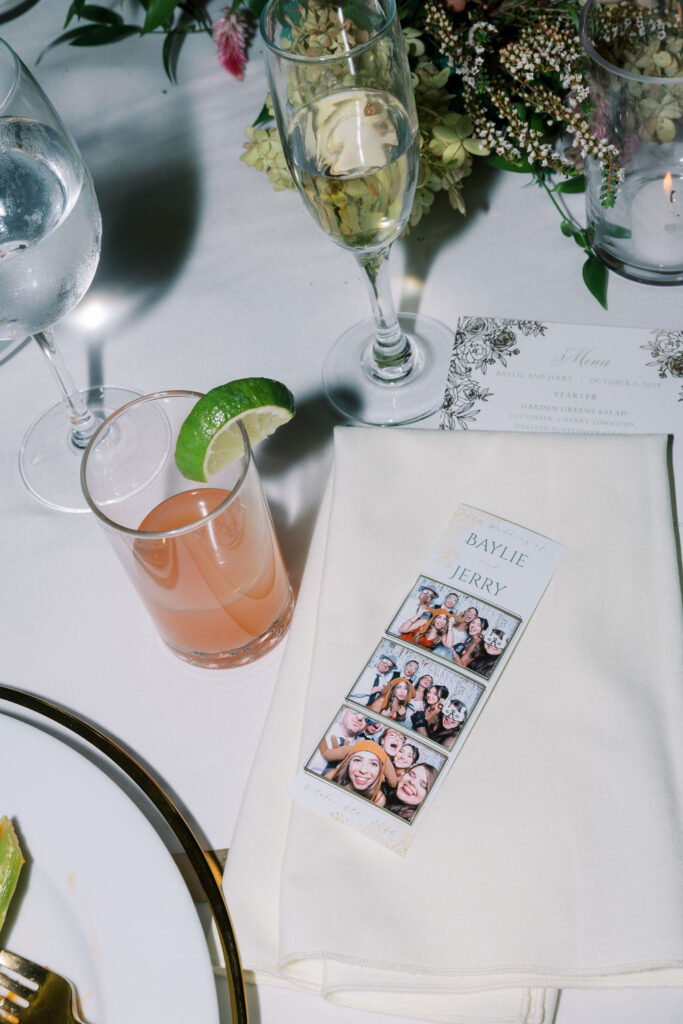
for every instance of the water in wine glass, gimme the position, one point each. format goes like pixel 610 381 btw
pixel 50 227
pixel 354 157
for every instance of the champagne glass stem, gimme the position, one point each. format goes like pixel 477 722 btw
pixel 391 357
pixel 83 423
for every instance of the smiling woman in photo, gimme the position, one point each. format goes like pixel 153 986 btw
pixel 405 758
pixel 411 790
pixel 437 630
pixel 486 657
pixel 362 771
pixel 434 697
pixel 464 653
pixel 444 729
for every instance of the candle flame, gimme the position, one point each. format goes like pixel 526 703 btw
pixel 667 182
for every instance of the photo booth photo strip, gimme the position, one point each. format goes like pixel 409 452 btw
pixel 376 764
pixel 384 755
pixel 454 625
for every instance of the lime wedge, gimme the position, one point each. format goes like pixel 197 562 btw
pixel 210 438
pixel 10 864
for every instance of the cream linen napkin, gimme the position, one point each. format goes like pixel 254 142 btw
pixel 552 855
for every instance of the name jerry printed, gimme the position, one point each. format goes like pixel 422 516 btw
pixel 491 547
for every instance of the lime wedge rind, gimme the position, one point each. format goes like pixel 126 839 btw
pixel 227 444
pixel 210 437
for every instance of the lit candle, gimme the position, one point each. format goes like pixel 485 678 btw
pixel 657 222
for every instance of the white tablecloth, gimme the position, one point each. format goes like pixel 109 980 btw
pixel 207 274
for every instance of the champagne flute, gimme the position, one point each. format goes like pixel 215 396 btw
pixel 345 110
pixel 50 237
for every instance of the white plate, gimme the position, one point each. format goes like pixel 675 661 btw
pixel 101 900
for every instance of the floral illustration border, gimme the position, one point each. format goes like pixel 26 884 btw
pixel 479 343
pixel 667 349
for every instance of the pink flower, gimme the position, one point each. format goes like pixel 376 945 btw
pixel 458 6
pixel 231 34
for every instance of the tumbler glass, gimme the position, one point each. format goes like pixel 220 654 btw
pixel 203 558
pixel 635 73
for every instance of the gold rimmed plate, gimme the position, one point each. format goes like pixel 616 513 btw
pixel 101 900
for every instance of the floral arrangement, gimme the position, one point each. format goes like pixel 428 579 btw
pixel 495 80
pixel 499 80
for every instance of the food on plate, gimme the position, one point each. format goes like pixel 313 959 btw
pixel 11 860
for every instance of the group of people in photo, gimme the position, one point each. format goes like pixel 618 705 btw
pixel 376 763
pixel 451 627
pixel 363 754
pixel 413 681
pixel 412 697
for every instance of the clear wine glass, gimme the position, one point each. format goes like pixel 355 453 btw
pixel 344 106
pixel 50 236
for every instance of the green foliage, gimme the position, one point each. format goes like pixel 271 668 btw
pixel 409 11
pixel 616 230
pixel 521 167
pixel 572 230
pixel 255 6
pixel 264 116
pixel 175 19
pixel 93 13
pixel 571 185
pixel 159 13
pixel 595 275
pixel 595 278
pixel 96 34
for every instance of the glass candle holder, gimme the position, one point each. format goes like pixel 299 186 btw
pixel 635 72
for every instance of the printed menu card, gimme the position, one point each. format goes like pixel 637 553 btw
pixel 526 375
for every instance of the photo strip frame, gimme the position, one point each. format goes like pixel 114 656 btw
pixel 401 723
pixel 420 692
pixel 456 626
pixel 376 762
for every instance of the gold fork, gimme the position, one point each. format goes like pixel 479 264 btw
pixel 30 994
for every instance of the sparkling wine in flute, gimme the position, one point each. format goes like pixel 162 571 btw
pixel 354 158
pixel 343 100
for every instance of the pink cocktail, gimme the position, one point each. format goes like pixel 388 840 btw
pixel 204 558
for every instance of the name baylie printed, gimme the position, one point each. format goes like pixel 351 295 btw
pixel 491 547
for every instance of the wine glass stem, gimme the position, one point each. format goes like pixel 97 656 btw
pixel 83 423
pixel 391 357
